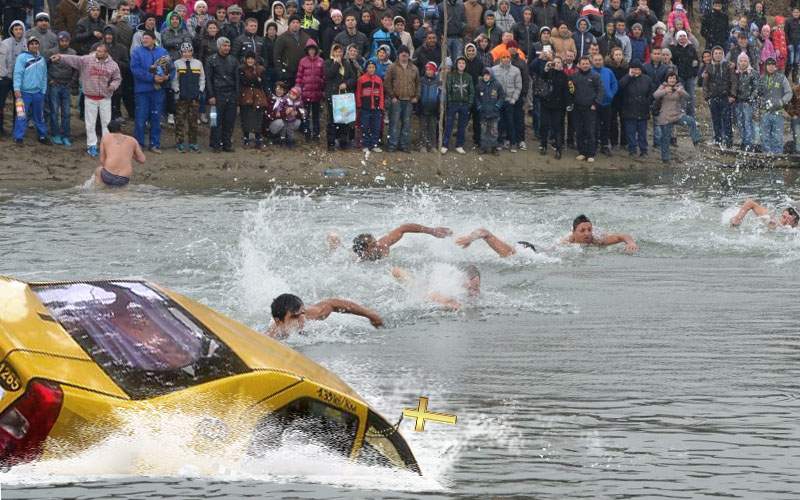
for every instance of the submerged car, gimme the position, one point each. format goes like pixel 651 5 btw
pixel 77 356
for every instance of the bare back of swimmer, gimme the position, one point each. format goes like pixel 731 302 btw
pixel 117 152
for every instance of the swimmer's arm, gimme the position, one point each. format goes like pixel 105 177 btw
pixel 749 204
pixel 401 274
pixel 397 234
pixel 502 248
pixel 138 154
pixel 334 241
pixel 445 301
pixel 614 238
pixel 321 310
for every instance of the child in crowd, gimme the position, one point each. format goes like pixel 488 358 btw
pixel 311 81
pixel 430 92
pixel 369 98
pixel 252 99
pixel 188 84
pixel 287 113
pixel 489 97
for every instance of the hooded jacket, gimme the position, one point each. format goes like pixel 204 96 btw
pixel 30 74
pixel 545 14
pixel 746 85
pixel 776 92
pixel 84 33
pixel 456 18
pixel 369 92
pixel 47 39
pixel 504 22
pixel 282 23
pixel 671 104
pixel 583 38
pixel 526 35
pixel 98 78
pixel 311 74
pixel 510 78
pixel 610 84
pixel 188 81
pixel 288 51
pixel 337 74
pixel 489 98
pixel 10 48
pixel 118 52
pixel 172 38
pixel 460 88
pixel 637 93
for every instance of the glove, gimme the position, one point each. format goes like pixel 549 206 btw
pixel 570 107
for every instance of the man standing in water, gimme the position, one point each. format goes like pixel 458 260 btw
pixel 366 247
pixel 789 216
pixel 581 234
pixel 117 152
pixel 289 314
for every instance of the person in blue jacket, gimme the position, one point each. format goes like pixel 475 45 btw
pixel 150 66
pixel 30 84
pixel 489 97
pixel 610 87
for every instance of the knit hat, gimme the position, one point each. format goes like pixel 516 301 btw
pixel 223 41
pixel 32 39
pixel 635 25
pixel 234 8
pixel 336 12
pixel 636 65
pixel 200 3
pixel 399 19
pixel 187 47
pixel 488 13
pixel 461 58
pixel 770 60
pixel 544 28
pixel 91 5
pixel 149 33
pixel 659 26
pixel 677 6
pixel 295 18
pixel 430 65
pixel 486 71
pixel 42 16
pixel 297 90
pixel 681 32
pixel 249 55
pixel 64 35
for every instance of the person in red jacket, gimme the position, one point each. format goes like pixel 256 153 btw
pixel 369 99
pixel 311 80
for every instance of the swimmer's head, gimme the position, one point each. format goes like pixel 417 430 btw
pixel 473 280
pixel 114 126
pixel 289 312
pixel 365 246
pixel 790 217
pixel 582 229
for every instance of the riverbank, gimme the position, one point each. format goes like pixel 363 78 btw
pixel 55 167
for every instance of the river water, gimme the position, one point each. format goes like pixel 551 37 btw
pixel 578 373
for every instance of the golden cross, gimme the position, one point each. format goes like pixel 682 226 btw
pixel 421 414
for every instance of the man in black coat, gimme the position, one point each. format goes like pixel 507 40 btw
pixel 588 96
pixel 637 92
pixel 222 91
pixel 715 27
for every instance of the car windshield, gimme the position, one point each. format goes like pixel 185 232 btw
pixel 146 342
pixel 383 445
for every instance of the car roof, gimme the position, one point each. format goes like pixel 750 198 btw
pixel 27 325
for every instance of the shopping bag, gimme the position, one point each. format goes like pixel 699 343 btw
pixel 344 108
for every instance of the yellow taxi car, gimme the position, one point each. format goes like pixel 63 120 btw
pixel 77 356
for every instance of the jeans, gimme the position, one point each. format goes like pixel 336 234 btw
pixel 455 47
pixel 666 134
pixel 744 121
pixel 488 133
pixel 793 54
pixel 604 125
pixel 518 117
pixel 460 110
pixel 60 103
pixel 400 125
pixel 93 108
pixel 226 117
pixel 149 106
pixel 721 118
pixel 584 118
pixel 796 133
pixel 690 86
pixel 370 127
pixel 772 132
pixel 636 132
pixel 551 127
pixel 507 128
pixel 34 108
pixel 476 125
pixel 312 123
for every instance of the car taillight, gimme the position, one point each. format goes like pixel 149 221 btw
pixel 25 424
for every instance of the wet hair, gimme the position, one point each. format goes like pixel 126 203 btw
pixel 794 214
pixel 472 272
pixel 361 244
pixel 114 126
pixel 285 303
pixel 580 220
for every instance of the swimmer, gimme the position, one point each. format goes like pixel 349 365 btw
pixel 117 152
pixel 502 248
pixel 289 314
pixel 472 286
pixel 366 247
pixel 582 235
pixel 789 216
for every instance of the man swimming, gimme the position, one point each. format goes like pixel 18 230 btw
pixel 789 216
pixel 117 152
pixel 581 235
pixel 366 247
pixel 472 285
pixel 289 314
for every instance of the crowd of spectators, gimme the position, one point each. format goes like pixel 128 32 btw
pixel 592 75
